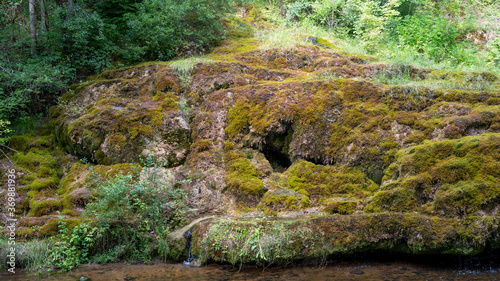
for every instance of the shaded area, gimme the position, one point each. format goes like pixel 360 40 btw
pixel 276 149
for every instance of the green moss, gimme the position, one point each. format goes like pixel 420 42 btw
pixel 19 143
pixel 394 200
pixel 449 177
pixel 167 83
pixel 101 158
pixel 203 145
pixel 25 233
pixel 284 200
pixel 44 207
pixel 326 43
pixel 117 140
pixel 51 227
pixel 281 241
pixel 237 119
pixel 340 207
pixel 328 180
pixel 242 176
pixel 43 183
pixel 466 197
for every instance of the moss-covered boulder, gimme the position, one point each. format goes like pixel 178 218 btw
pixel 123 114
pixel 269 241
pixel 453 178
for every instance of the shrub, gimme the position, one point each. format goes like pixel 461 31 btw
pixel 373 20
pixel 128 208
pixel 79 42
pixel 336 14
pixel 163 29
pixel 74 248
pixel 27 89
pixel 125 198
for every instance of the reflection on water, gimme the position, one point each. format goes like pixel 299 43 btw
pixel 376 269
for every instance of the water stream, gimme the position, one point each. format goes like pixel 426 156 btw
pixel 189 235
pixel 376 267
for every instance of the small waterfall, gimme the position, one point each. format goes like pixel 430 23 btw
pixel 189 235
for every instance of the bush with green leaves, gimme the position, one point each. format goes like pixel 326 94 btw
pixel 125 198
pixel 338 15
pixel 164 29
pixel 494 52
pixel 4 131
pixel 73 248
pixel 27 89
pixel 373 20
pixel 128 208
pixel 426 33
pixel 79 41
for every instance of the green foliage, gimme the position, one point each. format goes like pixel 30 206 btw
pixel 298 10
pixel 494 52
pixel 31 255
pixel 338 15
pixel 128 208
pixel 250 242
pixel 163 29
pixel 375 16
pixel 154 199
pixel 4 131
pixel 79 41
pixel 27 89
pixel 74 248
pixel 429 34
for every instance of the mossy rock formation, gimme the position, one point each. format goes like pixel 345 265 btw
pixel 338 161
pixel 123 114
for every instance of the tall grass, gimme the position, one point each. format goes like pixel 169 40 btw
pixel 184 67
pixel 31 255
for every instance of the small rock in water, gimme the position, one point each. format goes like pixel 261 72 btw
pixel 83 278
pixel 357 271
pixel 195 263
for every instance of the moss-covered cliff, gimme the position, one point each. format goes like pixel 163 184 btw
pixel 306 149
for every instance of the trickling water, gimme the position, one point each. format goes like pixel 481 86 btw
pixel 190 237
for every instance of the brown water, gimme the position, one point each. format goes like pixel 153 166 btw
pixel 339 271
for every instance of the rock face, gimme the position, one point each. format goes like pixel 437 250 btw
pixel 124 115
pixel 291 132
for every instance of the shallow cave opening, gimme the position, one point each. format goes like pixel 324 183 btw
pixel 276 147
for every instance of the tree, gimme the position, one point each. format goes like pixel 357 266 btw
pixel 43 16
pixel 70 7
pixel 32 27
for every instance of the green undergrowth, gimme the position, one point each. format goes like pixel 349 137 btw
pixel 31 255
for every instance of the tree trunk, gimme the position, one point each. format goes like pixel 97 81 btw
pixel 43 15
pixel 282 8
pixel 32 27
pixel 70 7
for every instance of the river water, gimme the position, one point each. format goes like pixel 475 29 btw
pixel 337 270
